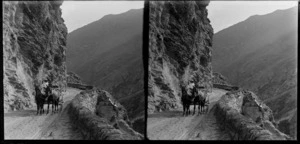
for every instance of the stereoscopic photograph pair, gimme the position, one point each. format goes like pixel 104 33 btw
pixel 150 70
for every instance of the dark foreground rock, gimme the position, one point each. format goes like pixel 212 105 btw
pixel 245 117
pixel 100 117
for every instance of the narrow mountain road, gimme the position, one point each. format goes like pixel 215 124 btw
pixel 27 125
pixel 171 125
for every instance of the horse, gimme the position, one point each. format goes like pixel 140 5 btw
pixel 53 98
pixel 40 100
pixel 197 101
pixel 56 97
pixel 201 101
pixel 187 100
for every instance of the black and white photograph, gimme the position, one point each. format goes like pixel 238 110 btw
pixel 149 71
pixel 222 70
pixel 73 70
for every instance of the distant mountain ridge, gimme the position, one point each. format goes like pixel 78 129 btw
pixel 108 54
pixel 102 35
pixel 260 54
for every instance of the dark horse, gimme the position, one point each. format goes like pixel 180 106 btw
pixel 200 99
pixel 40 100
pixel 187 100
pixel 53 98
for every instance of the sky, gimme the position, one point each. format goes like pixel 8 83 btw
pixel 80 13
pixel 222 14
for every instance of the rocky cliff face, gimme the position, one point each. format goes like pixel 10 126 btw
pixel 34 40
pixel 180 40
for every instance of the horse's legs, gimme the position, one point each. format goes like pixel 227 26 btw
pixel 57 103
pixel 42 106
pixel 56 106
pixel 183 106
pixel 200 105
pixel 38 107
pixel 52 106
pixel 194 108
pixel 189 111
pixel 48 107
pixel 198 108
pixel 186 110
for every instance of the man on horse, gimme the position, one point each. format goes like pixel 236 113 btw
pixel 40 96
pixel 188 95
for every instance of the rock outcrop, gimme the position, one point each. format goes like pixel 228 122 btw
pixel 219 79
pixel 34 44
pixel 100 117
pixel 245 117
pixel 180 41
pixel 73 78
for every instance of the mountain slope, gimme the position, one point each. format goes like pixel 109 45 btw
pixel 260 54
pixel 87 42
pixel 108 54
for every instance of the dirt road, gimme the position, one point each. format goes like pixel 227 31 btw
pixel 27 125
pixel 172 125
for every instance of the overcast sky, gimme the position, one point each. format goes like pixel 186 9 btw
pixel 222 14
pixel 79 13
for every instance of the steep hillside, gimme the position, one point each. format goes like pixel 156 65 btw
pixel 108 54
pixel 87 42
pixel 260 54
pixel 120 70
pixel 180 40
pixel 34 45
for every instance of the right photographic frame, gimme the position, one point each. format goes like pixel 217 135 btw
pixel 222 70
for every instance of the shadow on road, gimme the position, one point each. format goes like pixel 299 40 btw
pixel 21 113
pixel 166 114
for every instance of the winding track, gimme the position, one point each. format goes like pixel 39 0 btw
pixel 27 125
pixel 171 125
